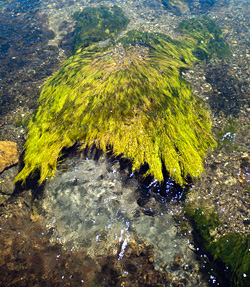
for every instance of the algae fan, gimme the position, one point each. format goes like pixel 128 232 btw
pixel 126 96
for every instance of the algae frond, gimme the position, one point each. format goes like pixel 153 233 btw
pixel 127 97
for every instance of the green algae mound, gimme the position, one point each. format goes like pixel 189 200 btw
pixel 128 97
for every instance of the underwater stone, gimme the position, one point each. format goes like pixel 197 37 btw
pixel 176 6
pixel 193 6
pixel 8 154
pixel 127 97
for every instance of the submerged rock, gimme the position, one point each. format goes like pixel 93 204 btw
pixel 8 154
pixel 127 96
pixel 193 6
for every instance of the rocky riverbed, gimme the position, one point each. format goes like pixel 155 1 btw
pixel 35 51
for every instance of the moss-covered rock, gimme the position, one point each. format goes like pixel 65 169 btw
pixel 230 252
pixel 95 25
pixel 206 37
pixel 128 97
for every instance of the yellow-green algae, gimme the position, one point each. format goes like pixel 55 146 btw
pixel 127 97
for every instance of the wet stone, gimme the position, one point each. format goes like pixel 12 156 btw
pixel 8 154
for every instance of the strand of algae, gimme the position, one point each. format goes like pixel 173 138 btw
pixel 134 102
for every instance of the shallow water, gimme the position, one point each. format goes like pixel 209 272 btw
pixel 96 209
pixel 89 206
